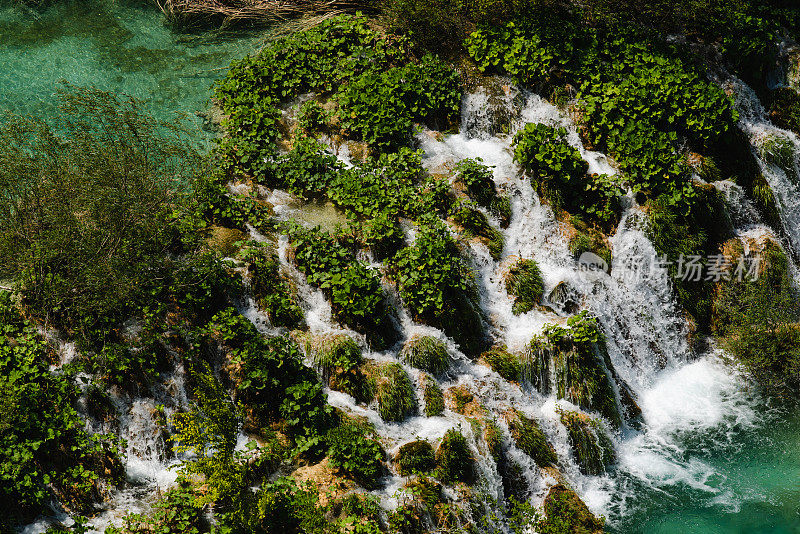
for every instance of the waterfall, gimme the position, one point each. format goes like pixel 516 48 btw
pixel 680 393
pixel 778 154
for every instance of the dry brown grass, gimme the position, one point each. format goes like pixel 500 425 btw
pixel 229 12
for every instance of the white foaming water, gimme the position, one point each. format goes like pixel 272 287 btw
pixel 765 137
pixel 647 340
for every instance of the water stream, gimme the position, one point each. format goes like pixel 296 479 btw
pixel 711 455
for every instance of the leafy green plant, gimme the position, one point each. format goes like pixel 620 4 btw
pixel 479 182
pixel 438 287
pixel 176 512
pixel 360 457
pixel 475 224
pixel 311 116
pixel 46 453
pixel 271 290
pixel 354 290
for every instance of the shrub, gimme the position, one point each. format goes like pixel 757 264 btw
pixel 270 289
pixel 286 506
pixel 360 457
pixel 504 363
pixel 454 459
pixel 438 287
pixel 94 220
pixel 311 116
pixel 395 392
pixel 177 511
pixel 426 353
pixel 479 182
pixel 354 290
pixel 415 457
pixel 46 454
pixel 433 396
pixel 525 283
pixel 530 439
pixel 559 174
pixel 771 354
pixel 381 106
pixel 591 447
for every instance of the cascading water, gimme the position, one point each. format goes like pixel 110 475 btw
pixel 694 408
pixel 647 339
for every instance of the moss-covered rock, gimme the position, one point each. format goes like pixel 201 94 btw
pixel 395 393
pixel 515 484
pixel 503 362
pixel 432 396
pixel 477 179
pixel 779 151
pixel 275 293
pixel 564 298
pixel 566 513
pixel 580 363
pixel 587 239
pixel 415 457
pixel 785 109
pixel 426 353
pixel 591 447
pixel 454 460
pixel 332 353
pixel 757 313
pixel 524 283
pixel 475 225
pixel 461 400
pixel 530 439
pixel 227 241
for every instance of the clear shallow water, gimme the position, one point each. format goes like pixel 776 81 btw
pixel 714 459
pixel 114 45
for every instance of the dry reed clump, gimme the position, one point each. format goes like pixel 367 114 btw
pixel 231 12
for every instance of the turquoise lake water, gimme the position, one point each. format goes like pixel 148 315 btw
pixel 120 46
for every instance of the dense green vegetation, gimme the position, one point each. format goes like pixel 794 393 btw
pixel 45 452
pixel 113 229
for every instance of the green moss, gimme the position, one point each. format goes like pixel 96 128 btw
pixel 475 224
pixel 530 439
pixel 785 109
pixel 333 353
pixel 525 283
pixel 591 447
pixel 433 396
pixel 415 457
pixel 504 363
pixel 588 239
pixel 426 353
pixel 579 361
pixel 454 459
pixel 395 393
pixel 779 151
pixel 565 513
pixel 764 198
pixel 698 231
